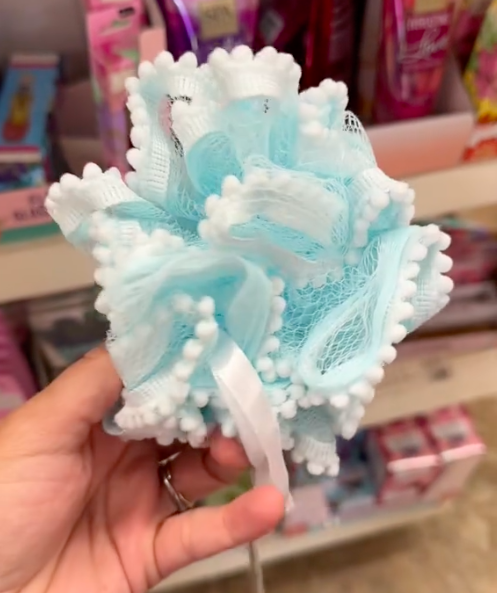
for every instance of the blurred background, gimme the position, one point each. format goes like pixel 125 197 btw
pixel 414 506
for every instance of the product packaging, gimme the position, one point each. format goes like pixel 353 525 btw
pixel 65 327
pixel 459 447
pixel 413 50
pixel 347 497
pixel 371 31
pixel 202 25
pixel 404 462
pixel 26 152
pixel 467 22
pixel 16 381
pixel 113 37
pixel 476 315
pixel 281 22
pixel 473 305
pixel 481 73
pixel 310 510
pixel 352 494
pixel 480 78
pixel 330 42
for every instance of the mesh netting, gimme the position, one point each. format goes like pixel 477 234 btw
pixel 260 213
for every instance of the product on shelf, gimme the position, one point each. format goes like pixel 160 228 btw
pixel 452 344
pixel 481 72
pixel 65 327
pixel 467 22
pixel 403 460
pixel 352 494
pixel 473 250
pixel 202 25
pixel 113 34
pixel 427 459
pixel 349 496
pixel 413 50
pixel 458 446
pixel 481 81
pixel 368 58
pixel 475 315
pixel 16 380
pixel 330 42
pixel 281 22
pixel 26 152
pixel 473 306
pixel 414 462
pixel 310 510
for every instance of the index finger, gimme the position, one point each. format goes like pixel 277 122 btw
pixel 70 406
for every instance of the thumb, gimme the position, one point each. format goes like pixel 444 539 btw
pixel 63 414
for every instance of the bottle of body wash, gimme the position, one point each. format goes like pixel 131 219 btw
pixel 415 43
pixel 330 42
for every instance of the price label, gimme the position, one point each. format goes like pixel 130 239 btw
pixel 417 372
pixel 438 370
pixel 218 18
pixel 426 6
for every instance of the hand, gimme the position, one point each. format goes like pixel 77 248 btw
pixel 82 511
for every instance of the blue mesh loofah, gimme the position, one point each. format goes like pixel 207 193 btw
pixel 256 213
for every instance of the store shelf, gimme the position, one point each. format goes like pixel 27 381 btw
pixel 41 267
pixel 276 548
pixel 417 386
pixel 462 188
pixel 48 266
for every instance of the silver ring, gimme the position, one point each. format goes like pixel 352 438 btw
pixel 182 503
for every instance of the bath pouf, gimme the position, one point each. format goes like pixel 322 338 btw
pixel 256 267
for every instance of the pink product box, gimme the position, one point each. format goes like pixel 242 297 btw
pixel 113 39
pixel 475 314
pixel 403 460
pixel 23 208
pixel 459 448
pixel 310 510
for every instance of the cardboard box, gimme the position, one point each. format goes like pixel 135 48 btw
pixel 403 461
pixel 26 102
pixel 23 215
pixel 459 447
pixel 27 155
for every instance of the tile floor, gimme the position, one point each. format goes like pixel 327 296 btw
pixel 453 553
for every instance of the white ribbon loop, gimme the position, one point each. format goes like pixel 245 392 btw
pixel 243 393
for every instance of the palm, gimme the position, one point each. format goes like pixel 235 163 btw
pixel 92 532
pixel 84 511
